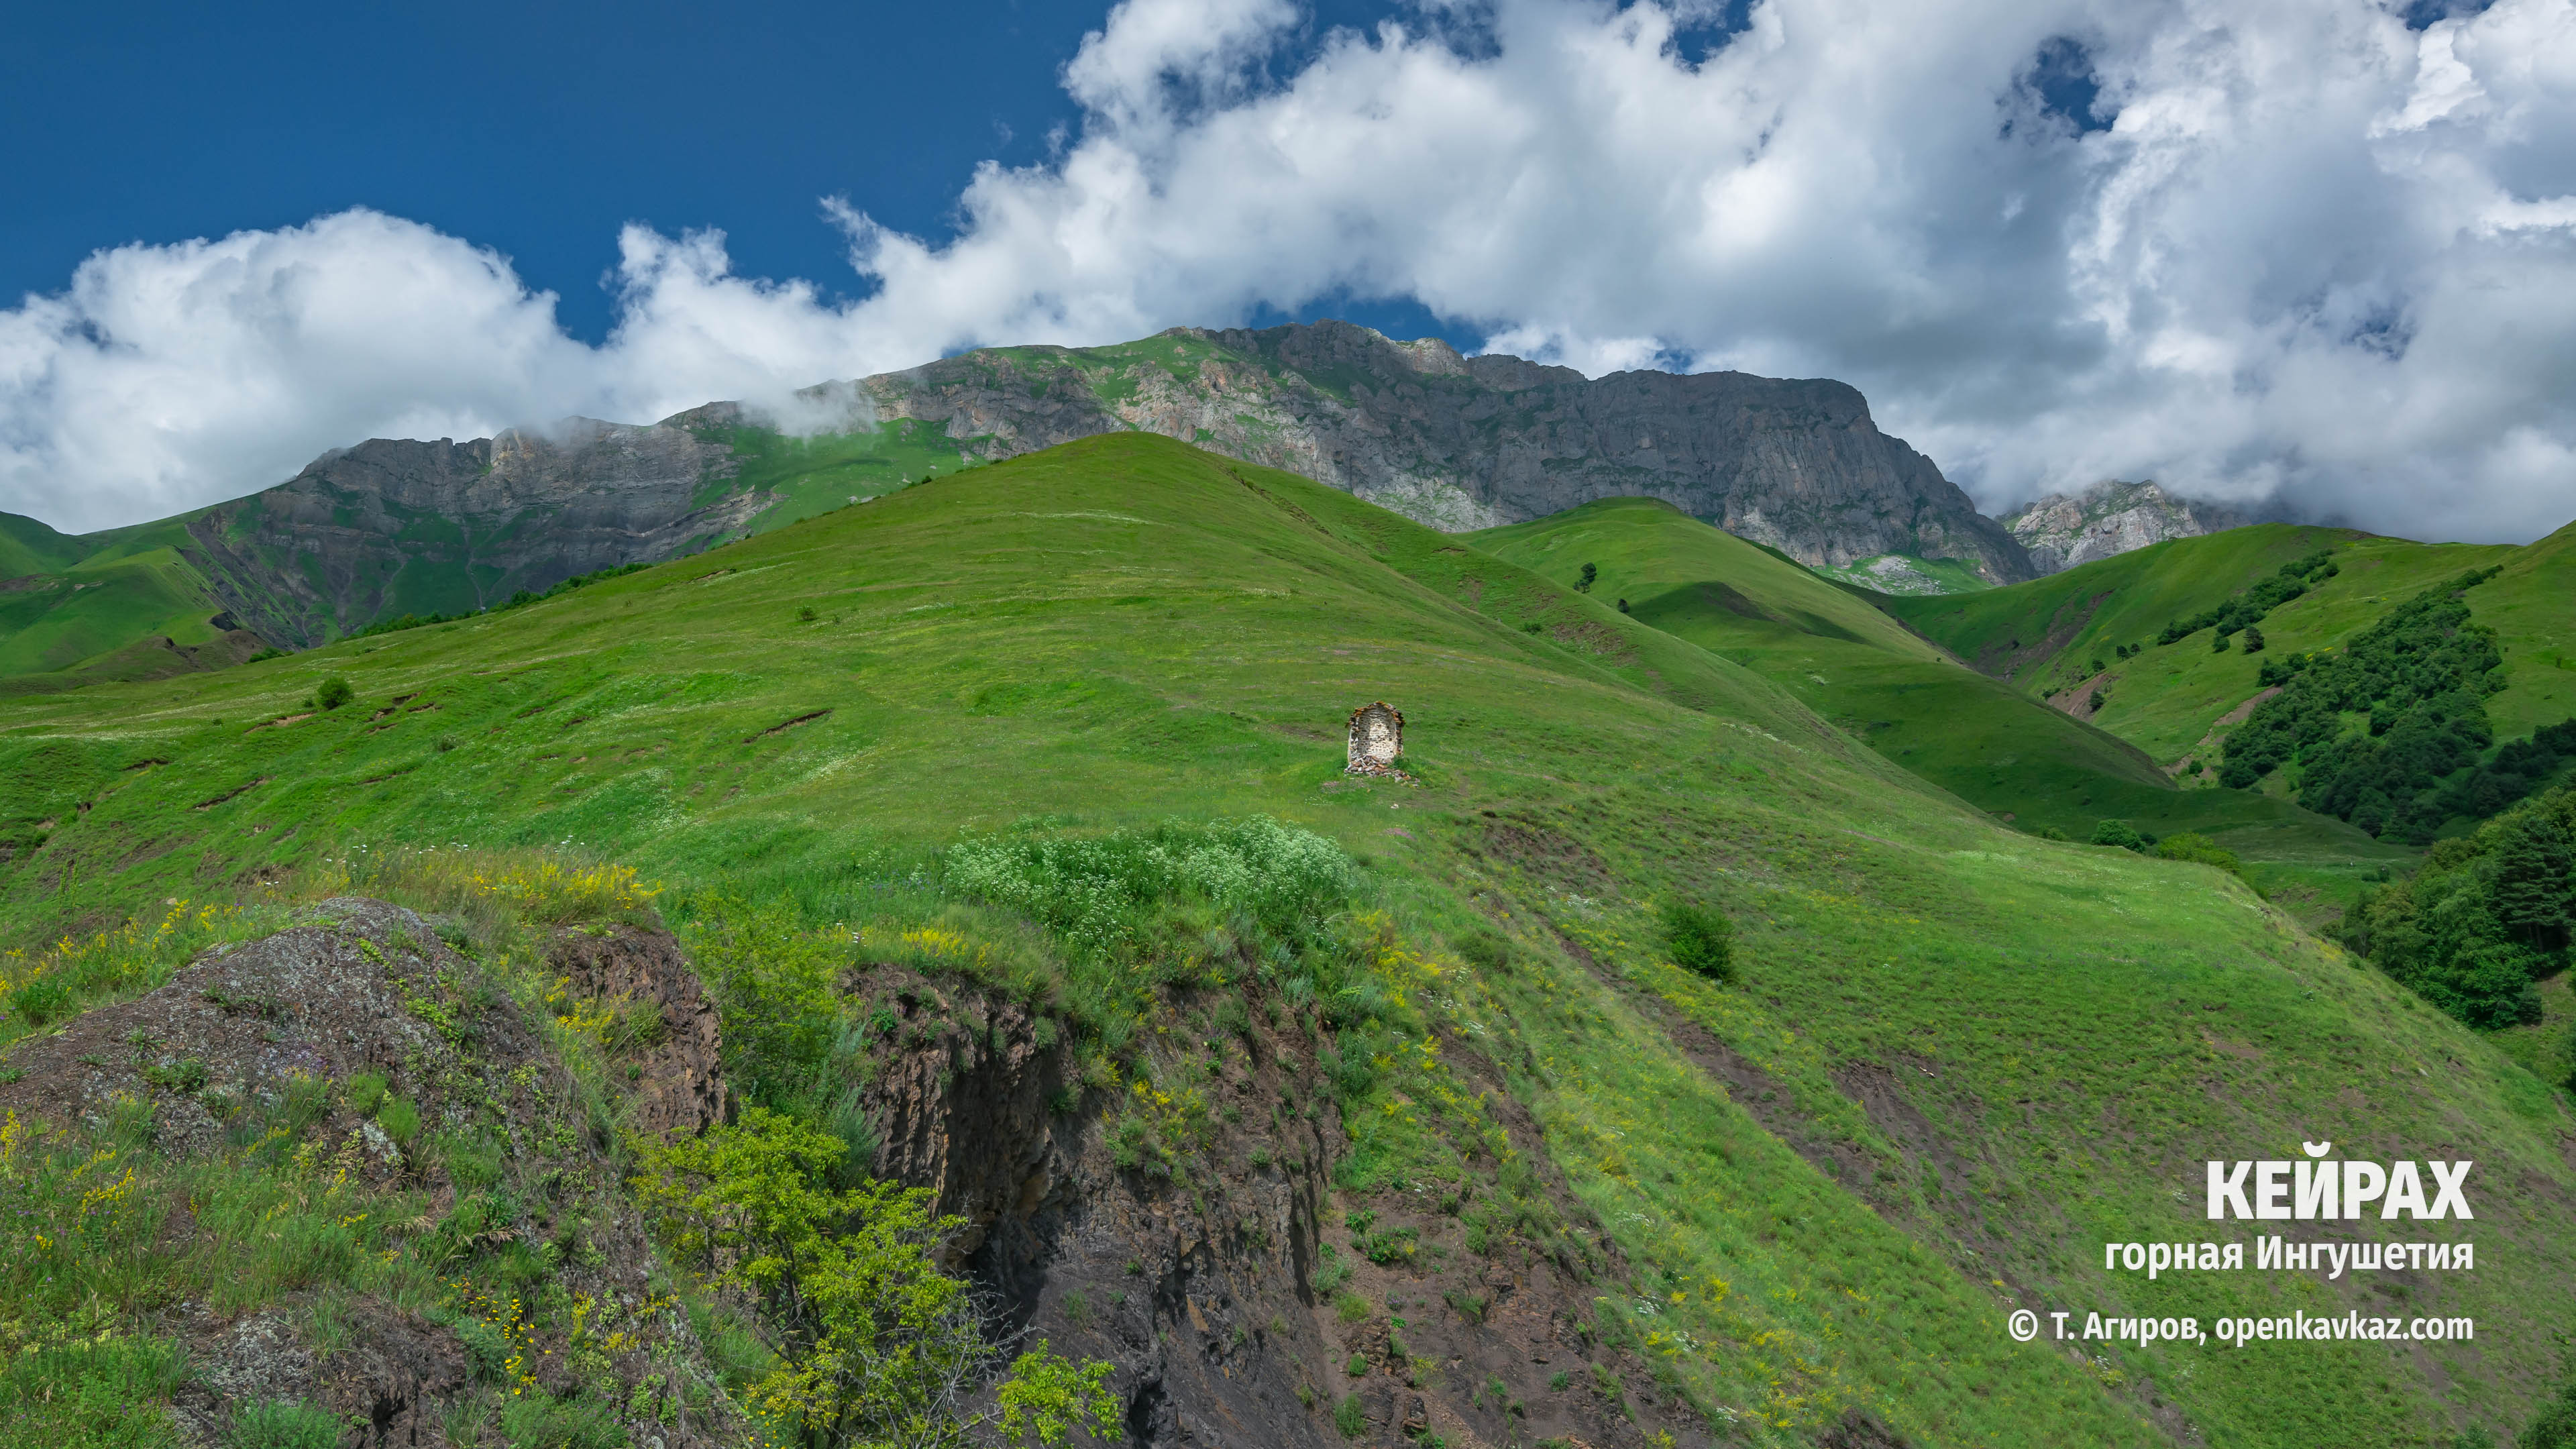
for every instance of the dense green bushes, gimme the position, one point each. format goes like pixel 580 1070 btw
pixel 1101 893
pixel 2199 849
pixel 2420 676
pixel 2487 916
pixel 876 1345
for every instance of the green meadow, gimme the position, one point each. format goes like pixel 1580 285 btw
pixel 1997 1051
pixel 1847 656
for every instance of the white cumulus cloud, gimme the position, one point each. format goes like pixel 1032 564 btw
pixel 2314 256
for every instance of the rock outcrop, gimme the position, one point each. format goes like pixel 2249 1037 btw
pixel 2108 519
pixel 1226 1277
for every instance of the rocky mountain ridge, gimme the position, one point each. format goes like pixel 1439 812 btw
pixel 394 526
pixel 1472 442
pixel 2110 518
pixel 389 528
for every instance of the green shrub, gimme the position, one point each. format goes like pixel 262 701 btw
pixel 2556 1426
pixel 1099 892
pixel 42 1001
pixel 1350 1307
pixel 335 692
pixel 285 1424
pixel 2201 849
pixel 186 1076
pixel 1348 1416
pixel 1700 940
pixel 400 1119
pixel 2120 833
pixel 1591 575
pixel 1484 949
pixel 366 1092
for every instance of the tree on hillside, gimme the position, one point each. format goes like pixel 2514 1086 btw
pixel 1584 585
pixel 1700 940
pixel 2486 917
pixel 2531 881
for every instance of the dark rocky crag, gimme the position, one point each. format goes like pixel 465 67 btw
pixel 1471 442
pixel 1216 1281
pixel 393 526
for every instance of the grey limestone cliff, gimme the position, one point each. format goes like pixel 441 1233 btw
pixel 2108 519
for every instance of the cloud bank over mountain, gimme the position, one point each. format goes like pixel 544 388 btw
pixel 2254 248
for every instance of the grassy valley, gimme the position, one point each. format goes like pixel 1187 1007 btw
pixel 936 731
pixel 1909 698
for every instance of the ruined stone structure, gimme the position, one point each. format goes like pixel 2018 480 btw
pixel 1377 737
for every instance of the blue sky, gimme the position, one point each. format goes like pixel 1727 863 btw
pixel 2318 258
pixel 538 130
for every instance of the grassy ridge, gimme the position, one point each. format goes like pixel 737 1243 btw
pixel 30 546
pixel 1908 698
pixel 2028 1046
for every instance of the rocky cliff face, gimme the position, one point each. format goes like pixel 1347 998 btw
pixel 1460 443
pixel 2108 519
pixel 390 527
pixel 1231 1284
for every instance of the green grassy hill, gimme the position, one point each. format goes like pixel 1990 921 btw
pixel 1909 699
pixel 28 546
pixel 2176 701
pixel 1960 1059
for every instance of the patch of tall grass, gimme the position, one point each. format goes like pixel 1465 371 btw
pixel 52 984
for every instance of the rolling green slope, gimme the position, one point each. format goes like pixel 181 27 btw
pixel 116 615
pixel 2170 700
pixel 2532 607
pixel 1996 1052
pixel 1910 700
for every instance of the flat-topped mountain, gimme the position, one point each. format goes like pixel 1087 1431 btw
pixel 1474 442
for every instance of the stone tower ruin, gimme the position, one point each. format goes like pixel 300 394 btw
pixel 1377 737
